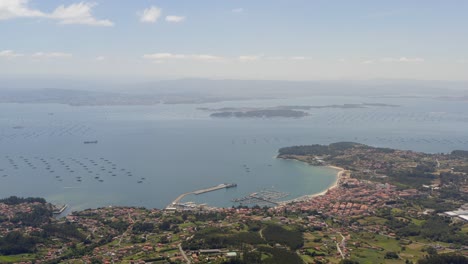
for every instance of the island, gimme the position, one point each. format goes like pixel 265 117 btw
pixel 284 111
pixel 388 206
pixel 267 113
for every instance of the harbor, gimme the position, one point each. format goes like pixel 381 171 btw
pixel 176 205
pixel 214 188
pixel 262 198
pixel 59 209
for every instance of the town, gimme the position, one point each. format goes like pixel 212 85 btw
pixel 388 206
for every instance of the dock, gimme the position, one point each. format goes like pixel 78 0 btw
pixel 60 210
pixel 214 188
pixel 264 197
pixel 176 203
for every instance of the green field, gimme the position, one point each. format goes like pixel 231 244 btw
pixel 16 258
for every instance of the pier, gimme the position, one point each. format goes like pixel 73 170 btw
pixel 214 188
pixel 60 210
pixel 176 203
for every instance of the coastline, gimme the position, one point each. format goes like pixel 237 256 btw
pixel 339 176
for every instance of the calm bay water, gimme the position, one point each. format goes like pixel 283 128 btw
pixel 148 155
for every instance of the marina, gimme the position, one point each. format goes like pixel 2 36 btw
pixel 263 197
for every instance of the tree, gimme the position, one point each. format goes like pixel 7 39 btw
pixel 391 255
pixel 431 251
pixel 449 258
pixel 348 261
pixel 164 240
pixel 253 257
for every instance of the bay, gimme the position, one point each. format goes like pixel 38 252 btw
pixel 148 155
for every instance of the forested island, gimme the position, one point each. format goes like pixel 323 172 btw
pixel 285 111
pixel 268 113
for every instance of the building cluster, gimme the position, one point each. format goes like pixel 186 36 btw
pixel 461 213
pixel 352 197
pixel 10 212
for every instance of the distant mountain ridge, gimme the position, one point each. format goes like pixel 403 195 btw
pixel 202 90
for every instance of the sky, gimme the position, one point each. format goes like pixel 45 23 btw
pixel 235 39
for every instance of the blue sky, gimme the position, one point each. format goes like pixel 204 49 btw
pixel 293 40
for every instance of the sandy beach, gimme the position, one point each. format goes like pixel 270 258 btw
pixel 339 175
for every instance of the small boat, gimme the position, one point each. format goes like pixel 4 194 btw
pixel 90 142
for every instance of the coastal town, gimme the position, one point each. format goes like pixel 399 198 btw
pixel 373 214
pixel 233 132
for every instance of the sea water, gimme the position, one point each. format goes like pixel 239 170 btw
pixel 148 155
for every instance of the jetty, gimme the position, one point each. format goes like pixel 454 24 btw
pixel 59 210
pixel 214 188
pixel 176 203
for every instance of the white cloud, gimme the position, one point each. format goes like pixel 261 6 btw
pixel 247 58
pixel 9 54
pixel 46 55
pixel 402 59
pixel 298 58
pixel 150 15
pixel 206 57
pixel 100 58
pixel 394 60
pixel 275 58
pixel 12 54
pixel 36 55
pixel 163 56
pixel 175 19
pixel 160 57
pixel 17 8
pixel 237 10
pixel 78 13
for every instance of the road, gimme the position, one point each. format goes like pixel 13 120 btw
pixel 343 244
pixel 177 200
pixel 182 252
